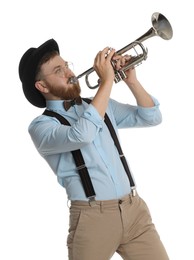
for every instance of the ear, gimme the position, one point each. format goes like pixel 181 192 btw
pixel 40 85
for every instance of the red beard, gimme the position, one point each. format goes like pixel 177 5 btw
pixel 69 93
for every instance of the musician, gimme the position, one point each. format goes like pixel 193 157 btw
pixel 115 218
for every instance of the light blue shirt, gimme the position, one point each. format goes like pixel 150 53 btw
pixel 89 133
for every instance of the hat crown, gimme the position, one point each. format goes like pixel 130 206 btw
pixel 28 67
pixel 24 61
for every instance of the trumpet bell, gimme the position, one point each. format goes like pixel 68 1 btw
pixel 162 26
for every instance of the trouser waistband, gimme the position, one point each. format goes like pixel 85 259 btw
pixel 114 202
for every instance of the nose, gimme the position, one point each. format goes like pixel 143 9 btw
pixel 68 73
pixel 65 72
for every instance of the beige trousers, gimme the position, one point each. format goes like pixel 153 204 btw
pixel 124 226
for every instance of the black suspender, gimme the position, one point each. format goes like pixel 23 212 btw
pixel 117 144
pixel 79 160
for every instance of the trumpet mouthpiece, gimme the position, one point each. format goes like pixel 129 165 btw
pixel 73 80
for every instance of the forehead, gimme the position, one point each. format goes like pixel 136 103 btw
pixel 52 64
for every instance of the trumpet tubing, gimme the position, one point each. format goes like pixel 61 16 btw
pixel 160 27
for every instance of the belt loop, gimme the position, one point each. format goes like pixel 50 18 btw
pixel 101 206
pixel 130 198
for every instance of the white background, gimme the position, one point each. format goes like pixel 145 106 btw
pixel 34 215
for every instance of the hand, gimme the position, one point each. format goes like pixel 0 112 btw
pixel 103 66
pixel 142 97
pixel 122 61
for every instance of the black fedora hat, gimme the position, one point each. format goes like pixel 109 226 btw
pixel 27 71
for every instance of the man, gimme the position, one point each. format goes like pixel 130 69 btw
pixel 109 217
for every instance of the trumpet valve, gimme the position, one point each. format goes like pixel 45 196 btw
pixel 119 75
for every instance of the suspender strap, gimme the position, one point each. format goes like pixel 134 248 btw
pixel 79 161
pixel 117 144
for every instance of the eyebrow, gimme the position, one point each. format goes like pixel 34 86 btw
pixel 59 66
pixel 56 67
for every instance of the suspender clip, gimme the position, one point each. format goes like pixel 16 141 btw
pixel 133 191
pixel 92 201
pixel 81 167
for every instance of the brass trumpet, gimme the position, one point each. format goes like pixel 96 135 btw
pixel 160 27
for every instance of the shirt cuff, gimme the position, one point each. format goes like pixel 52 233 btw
pixel 151 114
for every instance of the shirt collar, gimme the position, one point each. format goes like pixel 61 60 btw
pixel 55 104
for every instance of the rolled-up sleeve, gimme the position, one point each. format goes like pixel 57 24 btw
pixel 151 115
pixel 93 116
pixel 127 115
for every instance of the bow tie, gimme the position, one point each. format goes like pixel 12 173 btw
pixel 68 103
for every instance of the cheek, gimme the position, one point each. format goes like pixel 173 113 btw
pixel 59 82
pixel 62 82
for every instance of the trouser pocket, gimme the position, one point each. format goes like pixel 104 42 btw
pixel 74 224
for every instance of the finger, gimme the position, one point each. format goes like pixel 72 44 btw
pixel 117 64
pixel 105 51
pixel 98 55
pixel 116 57
pixel 110 53
pixel 127 57
pixel 119 59
pixel 123 61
